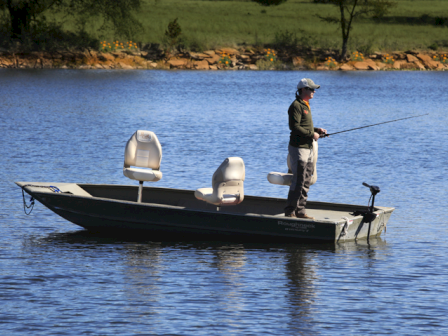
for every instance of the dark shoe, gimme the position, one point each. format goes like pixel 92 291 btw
pixel 291 215
pixel 304 216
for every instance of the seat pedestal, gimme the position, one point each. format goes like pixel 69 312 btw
pixel 140 191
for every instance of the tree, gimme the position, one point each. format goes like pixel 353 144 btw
pixel 117 13
pixel 351 9
pixel 173 32
pixel 348 11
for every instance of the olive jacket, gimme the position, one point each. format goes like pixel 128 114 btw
pixel 300 124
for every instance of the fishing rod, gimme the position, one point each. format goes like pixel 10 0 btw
pixel 326 135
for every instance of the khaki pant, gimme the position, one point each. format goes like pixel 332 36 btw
pixel 302 167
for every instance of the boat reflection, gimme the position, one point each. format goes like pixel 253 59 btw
pixel 168 278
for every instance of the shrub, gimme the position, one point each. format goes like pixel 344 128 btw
pixel 270 61
pixel 51 37
pixel 285 40
pixel 388 59
pixel 434 46
pixel 440 21
pixel 47 36
pixel 263 64
pixel 367 47
pixel 308 41
pixel 5 31
pixel 173 33
pixel 270 55
pixel 116 45
pixel 357 56
pixel 225 60
pixel 330 62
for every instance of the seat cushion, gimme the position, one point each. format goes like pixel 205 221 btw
pixel 142 174
pixel 204 194
pixel 207 195
pixel 280 178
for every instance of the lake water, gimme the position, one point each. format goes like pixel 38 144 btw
pixel 72 126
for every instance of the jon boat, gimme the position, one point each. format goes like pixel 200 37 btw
pixel 222 210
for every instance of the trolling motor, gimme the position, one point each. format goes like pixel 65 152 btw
pixel 374 190
pixel 369 215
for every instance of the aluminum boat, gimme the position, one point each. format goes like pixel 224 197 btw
pixel 222 210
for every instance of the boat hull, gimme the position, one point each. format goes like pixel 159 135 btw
pixel 118 212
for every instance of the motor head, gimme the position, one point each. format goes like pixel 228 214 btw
pixel 373 189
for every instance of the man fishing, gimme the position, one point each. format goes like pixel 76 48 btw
pixel 300 148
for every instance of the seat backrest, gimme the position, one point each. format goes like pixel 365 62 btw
pixel 232 169
pixel 143 149
pixel 228 181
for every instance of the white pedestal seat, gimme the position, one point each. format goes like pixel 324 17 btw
pixel 143 150
pixel 227 182
pixel 286 178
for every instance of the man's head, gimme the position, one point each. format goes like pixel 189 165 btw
pixel 306 88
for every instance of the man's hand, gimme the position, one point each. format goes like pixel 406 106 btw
pixel 316 136
pixel 321 131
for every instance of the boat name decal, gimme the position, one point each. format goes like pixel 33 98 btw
pixel 303 227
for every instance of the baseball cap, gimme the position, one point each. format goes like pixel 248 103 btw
pixel 306 82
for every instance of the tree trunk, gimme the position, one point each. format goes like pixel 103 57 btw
pixel 344 48
pixel 343 31
pixel 20 20
pixel 346 25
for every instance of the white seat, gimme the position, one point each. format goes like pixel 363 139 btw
pixel 286 178
pixel 143 150
pixel 227 184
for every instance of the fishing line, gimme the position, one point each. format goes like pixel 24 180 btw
pixel 326 135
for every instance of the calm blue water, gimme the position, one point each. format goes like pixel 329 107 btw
pixel 72 126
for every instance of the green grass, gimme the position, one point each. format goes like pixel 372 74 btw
pixel 210 24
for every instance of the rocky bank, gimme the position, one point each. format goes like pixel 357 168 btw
pixel 247 58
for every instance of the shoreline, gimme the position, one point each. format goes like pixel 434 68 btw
pixel 247 58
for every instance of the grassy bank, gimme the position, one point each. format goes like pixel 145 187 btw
pixel 208 24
